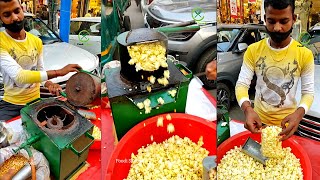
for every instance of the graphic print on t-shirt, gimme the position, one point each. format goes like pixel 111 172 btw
pixel 278 80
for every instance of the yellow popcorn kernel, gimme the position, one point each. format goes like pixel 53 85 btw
pixel 149 88
pixel 170 128
pixel 168 117
pixel 160 100
pixel 152 79
pixel 160 122
pixel 166 74
pixel 173 92
pixel 140 105
pixel 96 133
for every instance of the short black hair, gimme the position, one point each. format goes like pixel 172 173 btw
pixel 279 4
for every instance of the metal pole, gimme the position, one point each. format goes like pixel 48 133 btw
pixel 65 20
pixel 34 6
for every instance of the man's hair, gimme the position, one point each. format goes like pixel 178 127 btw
pixel 279 4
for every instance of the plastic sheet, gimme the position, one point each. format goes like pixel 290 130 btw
pixel 198 103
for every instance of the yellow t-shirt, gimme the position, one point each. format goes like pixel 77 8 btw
pixel 21 66
pixel 278 72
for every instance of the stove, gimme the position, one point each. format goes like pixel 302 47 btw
pixel 63 135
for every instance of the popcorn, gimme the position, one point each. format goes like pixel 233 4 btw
pixel 149 88
pixel 270 144
pixel 147 106
pixel 140 105
pixel 237 165
pixel 96 133
pixel 175 158
pixel 173 92
pixel 148 56
pixel 152 79
pixel 170 128
pixel 164 81
pixel 166 74
pixel 160 122
pixel 168 117
pixel 160 101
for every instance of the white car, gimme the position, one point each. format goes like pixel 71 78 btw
pixel 85 32
pixel 310 124
pixel 57 54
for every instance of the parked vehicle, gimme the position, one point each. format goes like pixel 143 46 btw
pixel 310 125
pixel 195 48
pixel 163 12
pixel 57 54
pixel 233 41
pixel 85 32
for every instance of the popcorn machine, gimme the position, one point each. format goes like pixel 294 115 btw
pixel 129 89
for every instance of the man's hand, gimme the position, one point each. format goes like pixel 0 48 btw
pixel 53 88
pixel 9 175
pixel 211 70
pixel 293 121
pixel 253 122
pixel 68 68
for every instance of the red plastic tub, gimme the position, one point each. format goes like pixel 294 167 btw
pixel 296 149
pixel 185 126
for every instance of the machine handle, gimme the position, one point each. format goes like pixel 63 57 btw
pixel 62 93
pixel 33 101
pixel 78 153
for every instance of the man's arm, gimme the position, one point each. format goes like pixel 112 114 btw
pixel 307 82
pixel 253 122
pixel 291 122
pixel 18 74
pixel 9 66
pixel 244 79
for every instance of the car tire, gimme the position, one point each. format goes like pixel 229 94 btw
pixel 209 55
pixel 224 96
pixel 126 23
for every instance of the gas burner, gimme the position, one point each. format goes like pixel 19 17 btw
pixel 55 122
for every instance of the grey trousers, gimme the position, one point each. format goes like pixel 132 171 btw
pixel 8 110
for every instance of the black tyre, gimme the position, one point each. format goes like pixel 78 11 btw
pixel 126 23
pixel 209 55
pixel 224 96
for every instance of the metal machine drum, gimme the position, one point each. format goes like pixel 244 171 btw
pixel 185 125
pixel 58 131
pixel 83 88
pixel 296 149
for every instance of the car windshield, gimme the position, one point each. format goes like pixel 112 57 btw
pixel 36 27
pixel 92 28
pixel 225 38
pixel 316 32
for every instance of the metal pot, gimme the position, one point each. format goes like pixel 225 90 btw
pixel 142 35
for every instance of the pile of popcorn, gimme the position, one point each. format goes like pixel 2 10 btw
pixel 176 158
pixel 282 163
pixel 150 57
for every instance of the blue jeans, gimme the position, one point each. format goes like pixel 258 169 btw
pixel 8 110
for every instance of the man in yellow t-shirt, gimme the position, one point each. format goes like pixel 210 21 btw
pixel 21 62
pixel 278 62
